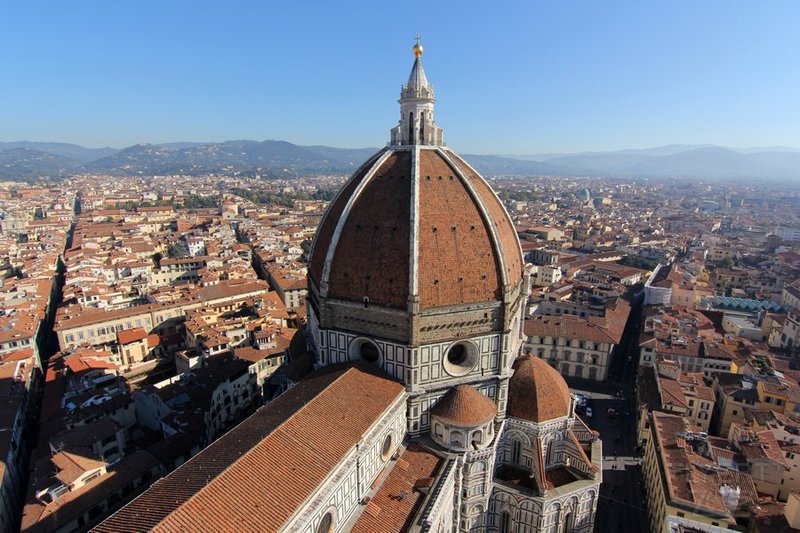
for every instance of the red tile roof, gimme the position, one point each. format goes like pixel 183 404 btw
pixel 456 215
pixel 261 471
pixel 398 499
pixel 536 391
pixel 131 335
pixel 464 406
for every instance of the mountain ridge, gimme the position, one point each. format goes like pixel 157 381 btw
pixel 277 158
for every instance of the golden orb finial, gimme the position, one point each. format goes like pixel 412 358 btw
pixel 418 48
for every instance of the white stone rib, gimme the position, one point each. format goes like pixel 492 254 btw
pixel 326 269
pixel 338 194
pixel 476 197
pixel 413 273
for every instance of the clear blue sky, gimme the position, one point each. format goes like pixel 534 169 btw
pixel 510 77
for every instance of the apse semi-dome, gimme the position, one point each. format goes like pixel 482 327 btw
pixel 537 392
pixel 465 407
pixel 463 419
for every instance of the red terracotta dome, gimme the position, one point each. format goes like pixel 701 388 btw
pixel 464 406
pixel 537 392
pixel 416 223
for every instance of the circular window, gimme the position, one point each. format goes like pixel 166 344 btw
pixel 368 352
pixel 326 524
pixel 386 449
pixel 365 350
pixel 461 358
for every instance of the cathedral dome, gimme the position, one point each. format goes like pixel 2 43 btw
pixel 416 223
pixel 537 392
pixel 465 407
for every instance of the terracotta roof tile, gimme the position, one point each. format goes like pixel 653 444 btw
pixel 256 475
pixel 536 391
pixel 371 256
pixel 457 214
pixel 450 226
pixel 509 242
pixel 328 225
pixel 397 501
pixel 464 406
pixel 131 335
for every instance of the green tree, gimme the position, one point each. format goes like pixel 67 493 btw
pixel 726 263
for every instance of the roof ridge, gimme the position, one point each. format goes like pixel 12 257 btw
pixel 252 449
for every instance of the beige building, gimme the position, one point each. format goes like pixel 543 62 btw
pixel 669 390
pixel 761 457
pixel 577 347
pixel 100 327
pixel 685 483
pixel 786 432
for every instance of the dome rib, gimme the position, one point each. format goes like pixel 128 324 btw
pixel 327 226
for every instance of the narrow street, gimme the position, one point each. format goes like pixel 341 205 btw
pixel 613 404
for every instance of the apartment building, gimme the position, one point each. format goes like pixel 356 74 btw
pixel 576 346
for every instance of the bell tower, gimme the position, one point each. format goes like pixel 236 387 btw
pixel 416 109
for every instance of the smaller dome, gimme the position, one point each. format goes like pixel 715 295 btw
pixel 464 406
pixel 537 392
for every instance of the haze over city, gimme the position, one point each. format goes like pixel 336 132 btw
pixel 521 78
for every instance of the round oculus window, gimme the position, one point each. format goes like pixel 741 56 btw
pixel 386 449
pixel 326 524
pixel 364 349
pixel 461 358
pixel 368 352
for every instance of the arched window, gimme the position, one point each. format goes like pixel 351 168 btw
pixel 516 451
pixel 480 466
pixel 505 522
pixel 477 438
pixel 411 128
pixel 422 127
pixel 457 438
pixel 569 523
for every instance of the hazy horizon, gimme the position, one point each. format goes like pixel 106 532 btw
pixel 523 79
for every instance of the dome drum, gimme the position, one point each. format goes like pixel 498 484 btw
pixel 461 439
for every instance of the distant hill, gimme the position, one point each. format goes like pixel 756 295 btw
pixel 492 165
pixel 27 163
pixel 70 151
pixel 704 161
pixel 266 158
pixel 23 160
